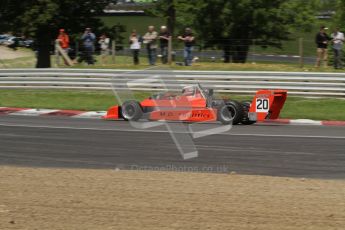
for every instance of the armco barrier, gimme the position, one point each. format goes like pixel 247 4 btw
pixel 297 83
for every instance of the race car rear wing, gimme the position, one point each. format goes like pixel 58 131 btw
pixel 267 105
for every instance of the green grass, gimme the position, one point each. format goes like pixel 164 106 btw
pixel 22 62
pixel 59 99
pixel 295 107
pixel 318 109
pixel 125 62
pixel 291 47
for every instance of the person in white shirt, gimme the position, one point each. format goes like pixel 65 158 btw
pixel 150 39
pixel 135 45
pixel 338 41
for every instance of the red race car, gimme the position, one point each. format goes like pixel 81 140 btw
pixel 196 104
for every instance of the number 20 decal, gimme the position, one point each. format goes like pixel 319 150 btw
pixel 262 105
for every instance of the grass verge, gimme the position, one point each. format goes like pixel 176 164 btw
pixel 126 62
pixel 295 107
pixel 22 62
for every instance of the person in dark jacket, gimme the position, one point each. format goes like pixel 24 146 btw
pixel 88 39
pixel 164 37
pixel 188 39
pixel 322 40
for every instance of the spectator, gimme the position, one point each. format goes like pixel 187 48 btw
pixel 188 39
pixel 135 45
pixel 104 43
pixel 63 40
pixel 88 39
pixel 321 40
pixel 150 39
pixel 338 41
pixel 164 37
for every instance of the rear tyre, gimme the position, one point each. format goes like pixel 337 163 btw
pixel 131 111
pixel 245 120
pixel 230 112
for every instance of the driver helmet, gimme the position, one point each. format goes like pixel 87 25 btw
pixel 188 91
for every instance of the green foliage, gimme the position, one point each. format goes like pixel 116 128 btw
pixel 177 13
pixel 128 23
pixel 238 23
pixel 41 20
pixel 232 25
pixel 324 5
pixel 29 16
pixel 339 18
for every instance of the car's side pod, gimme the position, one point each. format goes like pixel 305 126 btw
pixel 267 105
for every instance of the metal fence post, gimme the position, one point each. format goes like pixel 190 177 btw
pixel 253 54
pixel 113 50
pixel 76 50
pixel 57 56
pixel 170 50
pixel 301 59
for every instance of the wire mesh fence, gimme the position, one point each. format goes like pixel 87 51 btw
pixel 299 52
pixel 294 52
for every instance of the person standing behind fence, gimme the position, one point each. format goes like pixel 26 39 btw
pixel 338 41
pixel 63 41
pixel 321 40
pixel 164 37
pixel 188 39
pixel 150 39
pixel 135 45
pixel 104 43
pixel 88 39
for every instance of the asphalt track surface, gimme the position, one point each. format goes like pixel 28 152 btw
pixel 276 150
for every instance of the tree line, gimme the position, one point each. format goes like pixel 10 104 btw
pixel 228 25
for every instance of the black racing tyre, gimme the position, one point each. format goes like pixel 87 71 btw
pixel 230 112
pixel 131 111
pixel 246 106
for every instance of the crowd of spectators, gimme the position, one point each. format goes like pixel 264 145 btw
pixel 323 40
pixel 151 41
pixel 88 45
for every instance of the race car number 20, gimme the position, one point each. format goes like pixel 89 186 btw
pixel 262 105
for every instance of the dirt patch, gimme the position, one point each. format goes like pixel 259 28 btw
pixel 6 53
pixel 109 199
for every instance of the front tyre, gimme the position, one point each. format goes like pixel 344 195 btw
pixel 131 111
